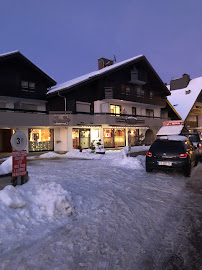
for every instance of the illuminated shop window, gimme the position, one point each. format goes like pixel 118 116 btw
pixel 107 133
pixel 41 140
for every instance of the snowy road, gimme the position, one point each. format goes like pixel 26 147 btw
pixel 123 218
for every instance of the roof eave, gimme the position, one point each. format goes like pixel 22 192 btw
pixel 141 57
pixel 171 106
pixel 18 53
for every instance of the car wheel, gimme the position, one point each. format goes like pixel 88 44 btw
pixel 148 169
pixel 187 170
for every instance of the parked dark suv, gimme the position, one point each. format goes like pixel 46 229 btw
pixel 171 152
pixel 195 139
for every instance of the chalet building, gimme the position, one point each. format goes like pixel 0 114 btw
pixel 23 88
pixel 118 98
pixel 186 98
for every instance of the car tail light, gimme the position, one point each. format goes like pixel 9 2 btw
pixel 149 154
pixel 200 145
pixel 183 155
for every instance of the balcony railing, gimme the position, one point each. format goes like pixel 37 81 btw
pixel 105 113
pixel 22 110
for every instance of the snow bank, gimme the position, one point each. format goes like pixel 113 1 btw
pixel 128 163
pixel 50 155
pixel 85 154
pixel 109 154
pixel 136 149
pixel 6 166
pixel 123 161
pixel 30 204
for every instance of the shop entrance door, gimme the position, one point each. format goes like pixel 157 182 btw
pixel 81 138
pixel 75 138
pixel 84 137
pixel 119 138
pixel 5 137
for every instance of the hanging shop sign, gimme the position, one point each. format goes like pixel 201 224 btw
pixel 130 120
pixel 61 120
pixel 121 120
pixel 134 120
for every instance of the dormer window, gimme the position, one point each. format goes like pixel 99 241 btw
pixel 27 86
pixel 24 85
pixel 31 85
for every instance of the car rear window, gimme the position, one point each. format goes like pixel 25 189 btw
pixel 167 146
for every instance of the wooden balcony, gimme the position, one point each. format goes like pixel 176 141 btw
pixel 138 77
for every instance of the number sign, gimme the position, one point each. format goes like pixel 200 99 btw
pixel 19 141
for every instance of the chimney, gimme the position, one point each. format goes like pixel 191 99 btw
pixel 104 62
pixel 180 83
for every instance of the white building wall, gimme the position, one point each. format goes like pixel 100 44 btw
pixel 104 107
pixel 97 106
pixel 60 139
pixel 69 139
pixel 101 106
pixel 157 112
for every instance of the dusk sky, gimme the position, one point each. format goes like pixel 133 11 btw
pixel 65 38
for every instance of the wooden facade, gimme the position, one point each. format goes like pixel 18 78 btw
pixel 115 84
pixel 21 78
pixel 23 88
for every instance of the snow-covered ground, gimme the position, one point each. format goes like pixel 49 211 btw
pixel 85 211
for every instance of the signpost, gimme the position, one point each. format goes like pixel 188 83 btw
pixel 19 155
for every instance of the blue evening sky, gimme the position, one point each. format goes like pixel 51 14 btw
pixel 66 37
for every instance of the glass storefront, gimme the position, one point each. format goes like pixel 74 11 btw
pixel 114 137
pixel 95 136
pixel 41 140
pixel 81 138
pixel 137 136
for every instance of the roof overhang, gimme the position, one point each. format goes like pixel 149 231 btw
pixel 18 55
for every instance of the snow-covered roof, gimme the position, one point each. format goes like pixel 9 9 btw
pixel 8 53
pixel 183 99
pixel 174 138
pixel 91 75
pixel 170 130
